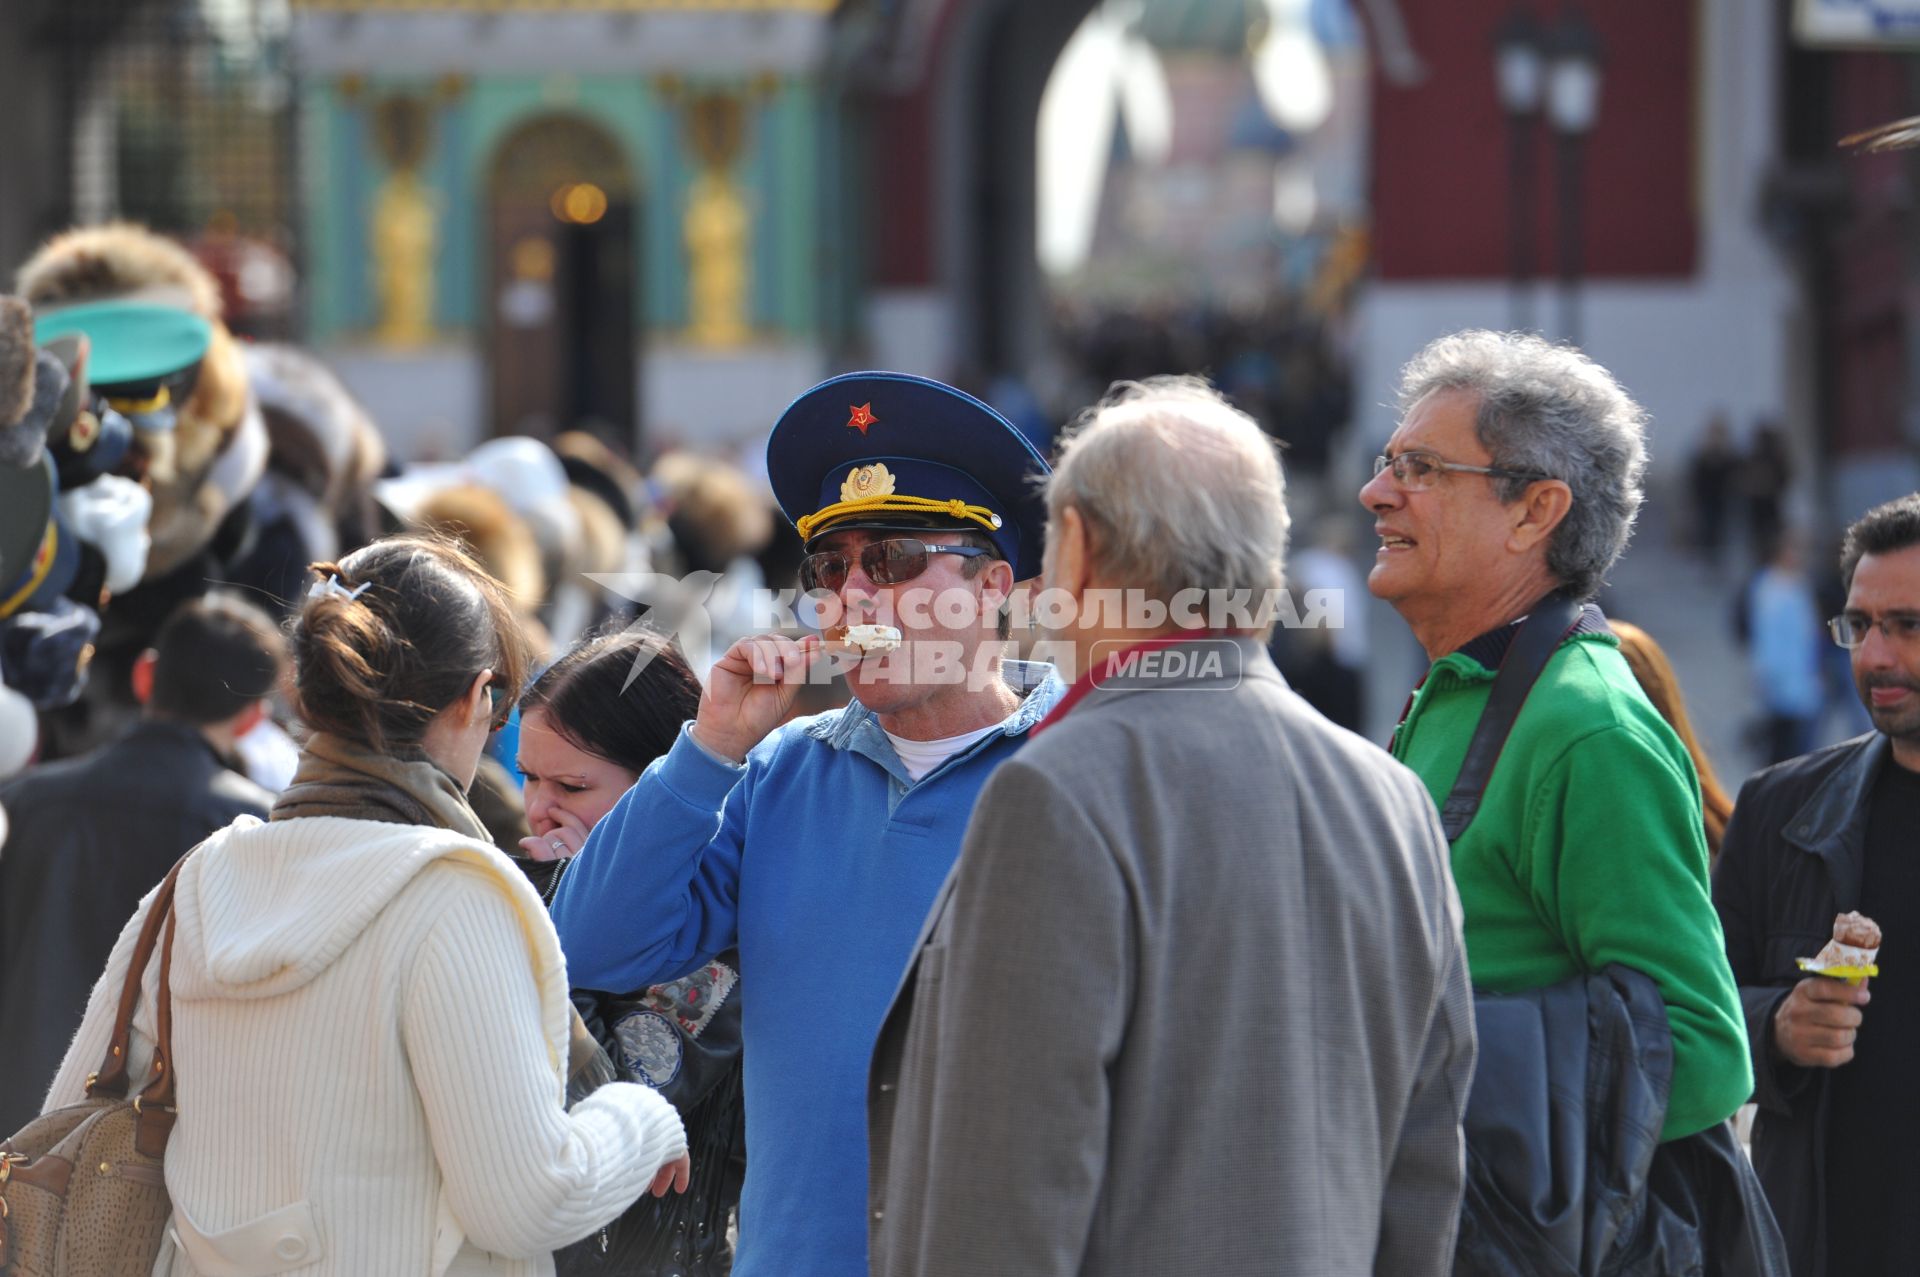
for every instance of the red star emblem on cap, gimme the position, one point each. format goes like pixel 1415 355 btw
pixel 862 417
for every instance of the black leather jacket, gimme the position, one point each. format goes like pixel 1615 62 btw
pixel 91 836
pixel 668 1037
pixel 1793 857
pixel 682 1039
pixel 1566 1175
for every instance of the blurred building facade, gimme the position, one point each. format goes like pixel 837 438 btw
pixel 584 212
pixel 665 216
pixel 1849 224
pixel 1733 260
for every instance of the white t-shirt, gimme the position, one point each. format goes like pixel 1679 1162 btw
pixel 922 756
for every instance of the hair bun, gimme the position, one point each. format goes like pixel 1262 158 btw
pixel 376 665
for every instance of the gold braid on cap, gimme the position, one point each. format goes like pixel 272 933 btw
pixel 868 489
pixel 37 570
pixel 808 524
pixel 153 403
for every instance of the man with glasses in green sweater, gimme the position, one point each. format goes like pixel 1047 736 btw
pixel 1514 476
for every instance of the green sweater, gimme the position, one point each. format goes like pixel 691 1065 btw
pixel 1588 849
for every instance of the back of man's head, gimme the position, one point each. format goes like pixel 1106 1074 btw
pixel 214 658
pixel 1179 490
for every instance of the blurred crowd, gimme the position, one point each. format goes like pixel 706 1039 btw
pixel 228 466
pixel 1278 362
pixel 166 489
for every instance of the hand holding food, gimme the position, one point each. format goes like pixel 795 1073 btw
pixel 751 690
pixel 1817 1024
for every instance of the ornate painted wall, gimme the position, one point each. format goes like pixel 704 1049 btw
pixel 776 170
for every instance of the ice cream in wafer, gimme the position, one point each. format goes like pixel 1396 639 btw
pixel 866 638
pixel 1851 953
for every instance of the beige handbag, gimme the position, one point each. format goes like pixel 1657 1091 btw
pixel 82 1193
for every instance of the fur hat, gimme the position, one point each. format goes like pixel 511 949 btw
pixel 322 436
pixel 716 515
pixel 592 465
pixel 603 538
pixel 16 359
pixel 483 522
pixel 32 383
pixel 119 259
pixel 123 260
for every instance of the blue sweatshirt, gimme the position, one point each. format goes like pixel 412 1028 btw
pixel 818 859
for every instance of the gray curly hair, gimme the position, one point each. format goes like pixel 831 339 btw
pixel 1550 410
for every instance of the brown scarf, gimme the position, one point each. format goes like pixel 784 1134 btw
pixel 337 777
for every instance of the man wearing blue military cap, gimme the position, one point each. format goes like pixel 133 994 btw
pixel 816 847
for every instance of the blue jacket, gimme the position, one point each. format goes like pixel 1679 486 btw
pixel 818 860
pixel 1787 642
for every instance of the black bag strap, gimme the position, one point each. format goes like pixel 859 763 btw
pixel 1532 647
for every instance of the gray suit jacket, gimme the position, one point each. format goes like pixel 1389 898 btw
pixel 1194 1000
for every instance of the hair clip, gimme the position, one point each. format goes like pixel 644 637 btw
pixel 321 589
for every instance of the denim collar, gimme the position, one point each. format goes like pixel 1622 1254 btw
pixel 857 729
pixel 1036 683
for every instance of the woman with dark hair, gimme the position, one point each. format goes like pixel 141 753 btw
pixel 597 716
pixel 370 1024
pixel 588 727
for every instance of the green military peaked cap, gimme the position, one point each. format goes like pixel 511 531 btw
pixel 135 343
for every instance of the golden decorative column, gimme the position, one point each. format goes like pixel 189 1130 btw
pixel 718 227
pixel 404 225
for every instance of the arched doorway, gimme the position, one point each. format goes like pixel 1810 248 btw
pixel 1000 66
pixel 561 282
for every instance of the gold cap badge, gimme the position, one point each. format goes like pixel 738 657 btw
pixel 867 481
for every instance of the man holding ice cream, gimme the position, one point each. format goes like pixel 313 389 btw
pixel 817 846
pixel 1817 835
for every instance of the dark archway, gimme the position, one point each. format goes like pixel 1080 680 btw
pixel 561 274
pixel 999 69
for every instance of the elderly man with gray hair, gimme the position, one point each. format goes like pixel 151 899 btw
pixel 1194 999
pixel 1507 492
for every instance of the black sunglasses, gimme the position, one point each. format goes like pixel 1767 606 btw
pixel 893 561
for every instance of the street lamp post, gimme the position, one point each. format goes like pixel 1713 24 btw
pixel 1519 70
pixel 1572 105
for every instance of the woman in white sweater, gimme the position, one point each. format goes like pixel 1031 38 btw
pixel 370 1014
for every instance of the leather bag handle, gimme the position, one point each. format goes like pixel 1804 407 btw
pixel 111 1078
pixel 1539 636
pixel 153 1108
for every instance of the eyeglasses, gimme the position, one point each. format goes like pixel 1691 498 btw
pixel 893 561
pixel 1850 629
pixel 1417 471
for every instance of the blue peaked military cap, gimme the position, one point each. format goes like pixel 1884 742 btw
pixel 893 451
pixel 39 555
